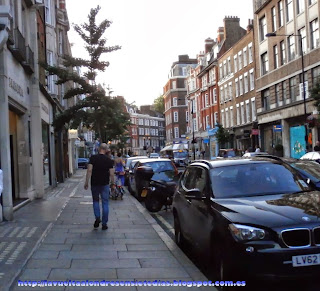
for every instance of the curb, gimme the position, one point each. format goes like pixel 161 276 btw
pixel 185 262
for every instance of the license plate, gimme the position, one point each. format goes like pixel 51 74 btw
pixel 144 192
pixel 306 260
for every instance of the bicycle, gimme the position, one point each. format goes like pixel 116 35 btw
pixel 117 189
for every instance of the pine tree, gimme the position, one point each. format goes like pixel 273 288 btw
pixel 96 111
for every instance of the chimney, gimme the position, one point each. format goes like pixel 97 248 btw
pixel 220 36
pixel 250 25
pixel 231 25
pixel 208 44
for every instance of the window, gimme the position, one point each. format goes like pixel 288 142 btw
pixel 248 111
pixel 229 66
pixel 280 16
pixel 275 57
pixel 146 122
pixel 227 117
pixel 214 95
pixel 187 116
pixel 140 121
pixel 242 113
pixel 60 41
pixel 176 132
pixel 292 89
pixel 237 87
pixel 226 97
pixel 48 15
pixel 50 78
pixel 222 118
pixel 245 59
pixel 175 116
pixel 231 116
pixel 147 131
pixel 174 84
pixel 253 109
pixel 264 63
pixel 310 2
pixel 175 101
pixel 251 79
pixel 314 33
pixel 300 6
pixel 265 99
pixel 194 106
pixel 284 91
pixel 235 59
pixel 277 94
pixel 206 100
pixel 274 18
pixel 221 72
pixel 141 131
pixel 230 91
pixel 262 28
pixel 207 121
pixel 283 53
pixel 240 86
pixel 238 115
pixel 225 73
pixel 240 60
pixel 246 83
pixel 315 73
pixel 250 53
pixel 291 47
pixel 302 33
pixel 221 95
pixel 289 10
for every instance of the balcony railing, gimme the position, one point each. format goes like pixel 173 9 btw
pixel 18 49
pixel 29 63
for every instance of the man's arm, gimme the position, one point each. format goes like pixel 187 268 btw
pixel 88 176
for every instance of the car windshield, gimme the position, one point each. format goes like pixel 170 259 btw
pixel 160 166
pixel 255 179
pixel 309 169
pixel 180 155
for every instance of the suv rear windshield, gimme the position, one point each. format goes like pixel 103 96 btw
pixel 254 180
pixel 160 166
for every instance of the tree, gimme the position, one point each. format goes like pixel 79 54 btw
pixel 159 104
pixel 222 135
pixel 96 111
pixel 315 94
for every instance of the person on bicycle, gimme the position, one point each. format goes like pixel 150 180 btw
pixel 119 168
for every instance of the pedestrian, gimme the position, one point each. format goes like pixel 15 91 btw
pixel 119 168
pixel 100 171
pixel 317 147
pixel 257 149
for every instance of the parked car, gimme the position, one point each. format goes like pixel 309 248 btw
pixel 254 154
pixel 154 156
pixel 227 153
pixel 83 163
pixel 257 212
pixel 315 156
pixel 127 167
pixel 163 169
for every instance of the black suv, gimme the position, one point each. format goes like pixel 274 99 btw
pixel 257 212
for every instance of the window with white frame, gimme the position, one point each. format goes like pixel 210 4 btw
pixel 221 71
pixel 237 86
pixel 222 118
pixel 147 131
pixel 289 10
pixel 246 83
pixel 140 121
pixel 227 118
pixel 226 97
pixel 146 122
pixel 302 32
pixel 243 120
pixel 50 78
pixel 230 90
pixel 174 84
pixel 282 53
pixel 262 28
pixel 314 33
pixel 214 91
pixel 48 12
pixel 250 52
pixel 175 116
pixel 195 124
pixel 235 60
pixel 204 81
pixel 248 110
pixel 240 60
pixel 175 101
pixel 141 131
pixel 280 16
pixel 253 108
pixel 238 115
pixel 176 132
pixel 157 132
pixel 291 48
pixel 229 65
pixel 240 86
pixel 310 2
pixel 221 95
pixel 300 6
pixel 251 73
pixel 264 63
pixel 60 39
pixel 274 18
pixel 225 72
pixel 275 57
pixel 206 100
pixel 245 59
pixel 231 116
pixel 207 121
pixel 215 118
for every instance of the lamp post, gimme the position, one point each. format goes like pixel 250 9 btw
pixel 273 34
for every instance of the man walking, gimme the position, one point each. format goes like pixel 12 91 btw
pixel 100 170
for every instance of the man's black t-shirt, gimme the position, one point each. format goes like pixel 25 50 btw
pixel 100 172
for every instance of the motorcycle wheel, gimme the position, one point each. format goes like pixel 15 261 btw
pixel 153 204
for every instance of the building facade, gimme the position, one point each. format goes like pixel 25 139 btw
pixel 288 65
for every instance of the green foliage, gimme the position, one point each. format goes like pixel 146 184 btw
pixel 222 135
pixel 96 111
pixel 159 104
pixel 315 94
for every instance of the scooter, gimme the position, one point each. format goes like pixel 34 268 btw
pixel 158 194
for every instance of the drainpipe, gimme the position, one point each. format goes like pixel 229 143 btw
pixel 7 205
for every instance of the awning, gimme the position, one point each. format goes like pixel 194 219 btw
pixel 167 148
pixel 180 146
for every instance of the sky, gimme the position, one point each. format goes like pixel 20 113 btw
pixel 152 34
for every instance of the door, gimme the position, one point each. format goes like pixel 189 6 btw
pixel 13 176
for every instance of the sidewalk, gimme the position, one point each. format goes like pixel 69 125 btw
pixel 54 239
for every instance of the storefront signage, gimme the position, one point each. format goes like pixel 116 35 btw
pixel 255 131
pixel 73 133
pixel 15 87
pixel 212 131
pixel 277 128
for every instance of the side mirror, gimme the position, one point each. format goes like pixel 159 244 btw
pixel 194 194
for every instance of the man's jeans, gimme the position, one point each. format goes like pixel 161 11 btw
pixel 104 192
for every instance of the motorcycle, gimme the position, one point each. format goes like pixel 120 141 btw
pixel 159 194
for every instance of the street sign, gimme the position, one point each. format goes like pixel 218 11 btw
pixel 254 131
pixel 277 128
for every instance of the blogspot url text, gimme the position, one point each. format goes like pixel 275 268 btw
pixel 153 283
